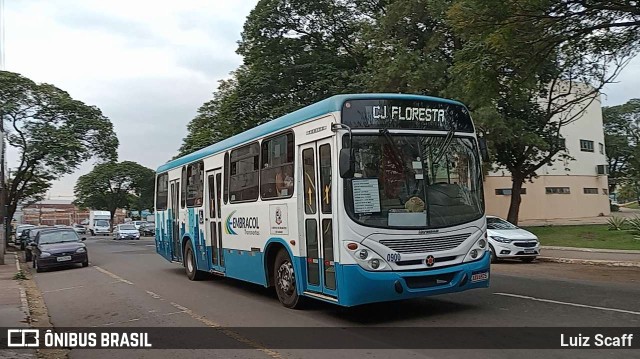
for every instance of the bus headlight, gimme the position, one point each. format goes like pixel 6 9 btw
pixel 476 251
pixel 367 258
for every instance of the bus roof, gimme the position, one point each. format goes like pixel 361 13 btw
pixel 331 104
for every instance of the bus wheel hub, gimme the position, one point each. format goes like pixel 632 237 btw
pixel 286 280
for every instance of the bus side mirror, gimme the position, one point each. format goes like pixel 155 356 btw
pixel 484 151
pixel 345 161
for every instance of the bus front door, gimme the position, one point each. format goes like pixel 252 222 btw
pixel 315 169
pixel 213 219
pixel 174 206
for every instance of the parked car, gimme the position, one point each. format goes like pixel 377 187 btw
pixel 148 229
pixel 56 247
pixel 138 224
pixel 509 241
pixel 17 238
pixel 126 231
pixel 29 239
pixel 80 229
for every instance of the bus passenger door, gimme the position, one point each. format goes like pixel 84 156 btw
pixel 174 206
pixel 317 214
pixel 213 218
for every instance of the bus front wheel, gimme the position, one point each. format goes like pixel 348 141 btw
pixel 190 264
pixel 285 282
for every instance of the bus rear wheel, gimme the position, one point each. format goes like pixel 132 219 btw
pixel 285 280
pixel 190 264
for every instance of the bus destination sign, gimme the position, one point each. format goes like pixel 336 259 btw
pixel 408 114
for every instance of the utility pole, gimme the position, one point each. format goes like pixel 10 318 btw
pixel 4 236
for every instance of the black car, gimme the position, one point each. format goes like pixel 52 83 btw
pixel 28 236
pixel 148 229
pixel 58 247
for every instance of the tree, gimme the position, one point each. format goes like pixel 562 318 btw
pixel 622 137
pixel 110 186
pixel 53 133
pixel 525 79
pixel 295 52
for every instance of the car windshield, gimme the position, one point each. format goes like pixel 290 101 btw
pixel 414 181
pixel 58 237
pixel 127 227
pixel 101 223
pixel 497 223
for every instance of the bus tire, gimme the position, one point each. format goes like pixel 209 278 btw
pixel 190 264
pixel 285 280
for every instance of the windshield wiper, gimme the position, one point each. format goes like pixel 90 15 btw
pixel 394 147
pixel 445 145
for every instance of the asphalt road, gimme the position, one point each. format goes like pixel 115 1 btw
pixel 128 285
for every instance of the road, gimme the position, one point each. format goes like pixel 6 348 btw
pixel 128 284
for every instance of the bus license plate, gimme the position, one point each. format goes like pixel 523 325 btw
pixel 480 277
pixel 63 259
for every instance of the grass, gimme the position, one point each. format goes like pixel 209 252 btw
pixel 586 236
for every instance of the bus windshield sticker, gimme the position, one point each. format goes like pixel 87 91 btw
pixel 366 195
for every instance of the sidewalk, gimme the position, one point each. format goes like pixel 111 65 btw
pixel 607 257
pixel 624 212
pixel 14 310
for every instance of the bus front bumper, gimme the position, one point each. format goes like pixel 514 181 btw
pixel 360 286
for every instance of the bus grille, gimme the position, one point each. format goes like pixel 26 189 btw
pixel 424 245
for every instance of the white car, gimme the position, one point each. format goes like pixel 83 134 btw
pixel 509 241
pixel 126 231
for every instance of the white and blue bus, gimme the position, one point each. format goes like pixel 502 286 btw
pixel 352 200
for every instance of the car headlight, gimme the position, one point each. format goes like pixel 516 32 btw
pixel 81 250
pixel 476 251
pixel 45 254
pixel 366 258
pixel 501 239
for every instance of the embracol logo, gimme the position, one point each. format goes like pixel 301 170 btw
pixel 249 224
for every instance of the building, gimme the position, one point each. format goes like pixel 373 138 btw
pixel 573 188
pixel 55 211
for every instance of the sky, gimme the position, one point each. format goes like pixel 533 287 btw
pixel 148 65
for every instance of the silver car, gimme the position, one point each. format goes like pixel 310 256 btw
pixel 509 241
pixel 126 231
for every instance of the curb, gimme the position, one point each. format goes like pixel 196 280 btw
pixel 592 250
pixel 23 293
pixel 595 262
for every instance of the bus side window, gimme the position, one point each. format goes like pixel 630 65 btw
pixel 325 177
pixel 195 184
pixel 162 192
pixel 244 173
pixel 183 187
pixel 276 173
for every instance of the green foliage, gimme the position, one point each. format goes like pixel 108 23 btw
pixel 622 135
pixel 616 223
pixel 634 223
pixel 20 276
pixel 53 133
pixel 112 185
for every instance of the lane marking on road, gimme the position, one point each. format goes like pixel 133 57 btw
pixel 67 288
pixel 568 303
pixel 154 295
pixel 112 275
pixel 228 332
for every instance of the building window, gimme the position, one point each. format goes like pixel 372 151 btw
pixel 586 146
pixel 590 191
pixel 162 192
pixel 605 191
pixel 195 184
pixel 244 163
pixel 601 146
pixel 507 191
pixel 276 175
pixel 558 190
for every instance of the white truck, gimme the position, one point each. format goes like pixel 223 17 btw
pixel 99 223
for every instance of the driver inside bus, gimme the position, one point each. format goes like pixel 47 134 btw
pixel 284 181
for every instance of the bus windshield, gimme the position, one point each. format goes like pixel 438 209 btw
pixel 416 181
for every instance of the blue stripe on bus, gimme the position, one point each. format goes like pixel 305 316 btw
pixel 332 104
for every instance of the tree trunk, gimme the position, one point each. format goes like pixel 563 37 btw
pixel 112 212
pixel 516 199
